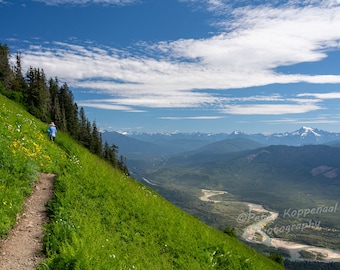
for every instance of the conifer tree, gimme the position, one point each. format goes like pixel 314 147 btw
pixel 109 154
pixel 5 69
pixel 36 98
pixel 83 134
pixel 54 106
pixel 122 165
pixel 69 110
pixel 43 98
pixel 106 151
pixel 88 134
pixel 18 70
pixel 18 84
pixel 96 141
pixel 113 155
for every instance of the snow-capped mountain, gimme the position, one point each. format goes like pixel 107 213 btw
pixel 302 136
pixel 305 135
pixel 170 143
pixel 307 131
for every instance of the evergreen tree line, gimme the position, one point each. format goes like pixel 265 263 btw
pixel 50 101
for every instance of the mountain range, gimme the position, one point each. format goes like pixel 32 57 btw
pixel 135 145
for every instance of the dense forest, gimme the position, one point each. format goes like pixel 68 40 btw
pixel 49 101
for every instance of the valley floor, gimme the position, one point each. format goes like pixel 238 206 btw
pixel 295 249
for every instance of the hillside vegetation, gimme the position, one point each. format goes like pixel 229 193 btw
pixel 99 217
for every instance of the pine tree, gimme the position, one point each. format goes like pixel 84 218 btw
pixel 88 134
pixel 54 106
pixel 18 84
pixel 96 141
pixel 5 69
pixel 122 165
pixel 83 133
pixel 37 96
pixel 109 154
pixel 69 110
pixel 43 98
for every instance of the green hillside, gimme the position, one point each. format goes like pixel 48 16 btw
pixel 100 218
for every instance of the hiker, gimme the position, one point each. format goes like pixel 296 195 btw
pixel 52 131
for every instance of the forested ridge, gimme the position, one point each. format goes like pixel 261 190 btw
pixel 49 101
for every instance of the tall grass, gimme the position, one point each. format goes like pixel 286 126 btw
pixel 100 218
pixel 25 151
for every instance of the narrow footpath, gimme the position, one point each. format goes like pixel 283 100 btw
pixel 22 249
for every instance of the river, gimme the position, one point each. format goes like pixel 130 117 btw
pixel 255 233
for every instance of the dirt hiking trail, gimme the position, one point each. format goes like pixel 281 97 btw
pixel 22 249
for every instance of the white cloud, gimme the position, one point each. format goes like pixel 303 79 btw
pixel 102 105
pixel 159 100
pixel 270 109
pixel 246 53
pixel 265 38
pixel 329 119
pixel 331 95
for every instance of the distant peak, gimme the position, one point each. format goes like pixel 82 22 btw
pixel 237 132
pixel 306 131
pixel 307 128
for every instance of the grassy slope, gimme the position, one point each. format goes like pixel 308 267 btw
pixel 101 219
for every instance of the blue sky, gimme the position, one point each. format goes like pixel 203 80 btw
pixel 187 65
